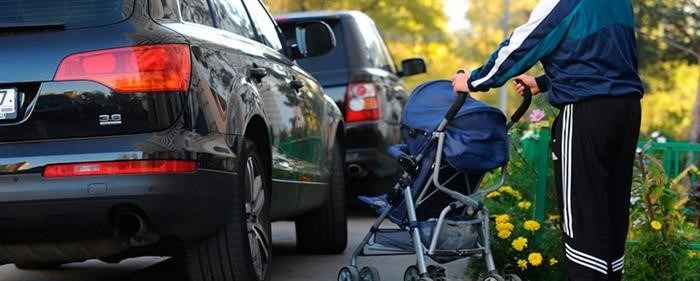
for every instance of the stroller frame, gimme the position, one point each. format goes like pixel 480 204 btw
pixel 472 202
pixel 462 200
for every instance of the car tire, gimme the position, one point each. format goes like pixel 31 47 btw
pixel 325 230
pixel 241 250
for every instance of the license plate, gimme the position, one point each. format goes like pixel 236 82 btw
pixel 8 104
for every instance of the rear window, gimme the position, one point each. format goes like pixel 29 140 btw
pixel 71 13
pixel 334 60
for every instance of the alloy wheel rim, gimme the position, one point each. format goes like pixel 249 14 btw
pixel 259 242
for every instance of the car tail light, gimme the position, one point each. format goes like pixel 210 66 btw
pixel 138 69
pixel 119 168
pixel 362 102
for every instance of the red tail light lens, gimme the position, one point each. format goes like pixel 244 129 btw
pixel 362 102
pixel 138 69
pixel 119 168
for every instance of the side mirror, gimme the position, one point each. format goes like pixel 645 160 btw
pixel 313 39
pixel 412 66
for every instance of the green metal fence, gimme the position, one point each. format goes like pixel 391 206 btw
pixel 675 156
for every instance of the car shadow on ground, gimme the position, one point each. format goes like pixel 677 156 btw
pixel 284 246
pixel 168 269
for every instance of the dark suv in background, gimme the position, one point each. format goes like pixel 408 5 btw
pixel 163 127
pixel 359 74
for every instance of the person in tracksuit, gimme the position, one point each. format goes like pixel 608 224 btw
pixel 588 51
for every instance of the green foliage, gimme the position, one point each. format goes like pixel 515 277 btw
pixel 659 233
pixel 668 30
pixel 513 220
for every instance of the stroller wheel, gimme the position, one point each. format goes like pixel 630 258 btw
pixel 348 273
pixel 493 277
pixel 437 273
pixel 512 277
pixel 369 273
pixel 411 274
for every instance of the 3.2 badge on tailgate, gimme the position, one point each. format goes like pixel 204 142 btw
pixel 8 104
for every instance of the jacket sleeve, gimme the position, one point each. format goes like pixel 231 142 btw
pixel 542 83
pixel 546 28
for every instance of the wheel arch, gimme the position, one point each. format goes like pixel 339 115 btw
pixel 257 131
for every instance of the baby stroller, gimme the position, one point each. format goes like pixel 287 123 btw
pixel 436 204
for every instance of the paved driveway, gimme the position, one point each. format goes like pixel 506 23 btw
pixel 287 264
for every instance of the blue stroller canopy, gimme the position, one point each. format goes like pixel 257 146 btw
pixel 476 139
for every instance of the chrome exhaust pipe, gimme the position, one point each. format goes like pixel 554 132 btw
pixel 130 223
pixel 356 170
pixel 136 229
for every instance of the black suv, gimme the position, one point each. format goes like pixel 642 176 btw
pixel 183 127
pixel 360 75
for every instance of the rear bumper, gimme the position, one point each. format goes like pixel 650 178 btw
pixel 366 147
pixel 37 210
pixel 73 218
pixel 371 160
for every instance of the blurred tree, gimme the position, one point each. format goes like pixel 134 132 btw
pixel 486 31
pixel 667 106
pixel 403 20
pixel 668 32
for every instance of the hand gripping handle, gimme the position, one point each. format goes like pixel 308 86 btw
pixel 527 99
pixel 457 104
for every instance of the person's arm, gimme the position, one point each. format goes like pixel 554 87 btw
pixel 545 29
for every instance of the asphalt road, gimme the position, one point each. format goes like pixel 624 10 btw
pixel 287 265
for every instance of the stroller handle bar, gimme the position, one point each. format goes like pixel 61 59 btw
pixel 461 98
pixel 527 99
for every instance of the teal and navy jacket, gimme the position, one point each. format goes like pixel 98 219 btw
pixel 587 48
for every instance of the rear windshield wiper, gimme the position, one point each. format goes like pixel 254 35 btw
pixel 20 26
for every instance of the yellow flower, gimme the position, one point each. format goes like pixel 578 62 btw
pixel 531 225
pixel 522 264
pixel 517 195
pixel 505 226
pixel 656 225
pixel 519 243
pixel 493 194
pixel 553 261
pixel 554 218
pixel 524 205
pixel 502 218
pixel 506 189
pixel 504 234
pixel 535 259
pixel 692 254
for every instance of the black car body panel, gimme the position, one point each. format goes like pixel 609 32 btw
pixel 359 57
pixel 76 121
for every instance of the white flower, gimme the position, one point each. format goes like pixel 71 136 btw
pixel 529 134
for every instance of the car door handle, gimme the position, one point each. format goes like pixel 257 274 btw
pixel 258 73
pixel 296 84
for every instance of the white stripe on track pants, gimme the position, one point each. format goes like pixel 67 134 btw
pixel 593 144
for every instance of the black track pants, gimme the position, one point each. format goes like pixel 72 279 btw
pixel 593 145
